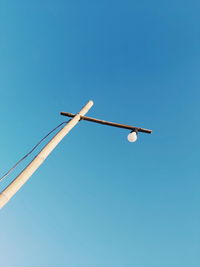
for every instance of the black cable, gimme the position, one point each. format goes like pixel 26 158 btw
pixel 16 164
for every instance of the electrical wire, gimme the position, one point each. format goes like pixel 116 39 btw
pixel 24 157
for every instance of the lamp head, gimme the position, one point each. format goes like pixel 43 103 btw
pixel 132 136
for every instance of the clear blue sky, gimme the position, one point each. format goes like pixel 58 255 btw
pixel 99 201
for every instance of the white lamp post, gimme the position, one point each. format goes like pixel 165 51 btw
pixel 23 177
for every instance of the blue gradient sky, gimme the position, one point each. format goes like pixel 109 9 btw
pixel 99 200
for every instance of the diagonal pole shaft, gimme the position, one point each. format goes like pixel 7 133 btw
pixel 23 177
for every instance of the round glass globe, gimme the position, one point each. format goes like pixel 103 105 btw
pixel 132 137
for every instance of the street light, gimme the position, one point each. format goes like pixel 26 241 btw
pixel 132 136
pixel 23 177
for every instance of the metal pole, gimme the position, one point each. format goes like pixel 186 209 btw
pixel 23 177
pixel 124 126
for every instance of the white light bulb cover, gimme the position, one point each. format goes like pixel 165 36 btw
pixel 132 137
